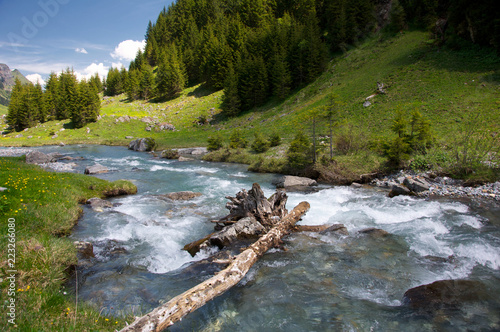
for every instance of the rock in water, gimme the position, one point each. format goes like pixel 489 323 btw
pixel 445 294
pixel 336 229
pixel 399 189
pixel 416 184
pixel 98 204
pixel 142 144
pixel 85 249
pixel 96 169
pixel 37 157
pixel 180 196
pixel 289 181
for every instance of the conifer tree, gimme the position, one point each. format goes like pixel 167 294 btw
pixel 15 107
pixel 67 94
pixel 87 106
pixel 280 75
pixel 231 100
pixel 132 84
pixel 147 84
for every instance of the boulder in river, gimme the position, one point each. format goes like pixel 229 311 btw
pixel 445 294
pixel 37 157
pixel 294 182
pixel 96 169
pixel 416 184
pixel 142 144
pixel 399 189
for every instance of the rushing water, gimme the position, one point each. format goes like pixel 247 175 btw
pixel 320 283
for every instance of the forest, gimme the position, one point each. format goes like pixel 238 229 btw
pixel 262 49
pixel 63 98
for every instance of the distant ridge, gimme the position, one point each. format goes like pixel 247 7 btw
pixel 7 81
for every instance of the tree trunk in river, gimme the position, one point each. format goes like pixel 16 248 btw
pixel 181 305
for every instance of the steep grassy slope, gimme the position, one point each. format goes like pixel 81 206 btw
pixel 446 86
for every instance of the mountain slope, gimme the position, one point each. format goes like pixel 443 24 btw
pixel 7 81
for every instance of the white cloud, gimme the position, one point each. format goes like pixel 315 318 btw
pixel 34 78
pixel 118 65
pixel 91 70
pixel 127 49
pixel 81 50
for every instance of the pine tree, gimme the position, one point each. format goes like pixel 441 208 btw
pixel 147 83
pixel 15 107
pixel 171 77
pixel 280 75
pixel 50 96
pixel 67 94
pixel 132 85
pixel 88 105
pixel 231 100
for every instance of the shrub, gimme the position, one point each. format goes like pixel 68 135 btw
pixel 299 153
pixel 236 140
pixel 170 154
pixel 215 142
pixel 274 139
pixel 260 144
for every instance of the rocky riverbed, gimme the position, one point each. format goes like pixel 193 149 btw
pixel 438 186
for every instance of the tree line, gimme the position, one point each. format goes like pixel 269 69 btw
pixel 64 97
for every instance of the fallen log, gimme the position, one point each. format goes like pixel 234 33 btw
pixel 181 305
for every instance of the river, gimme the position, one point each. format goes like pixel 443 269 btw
pixel 319 283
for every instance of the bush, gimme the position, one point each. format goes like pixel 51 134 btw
pixel 419 139
pixel 236 140
pixel 275 139
pixel 260 144
pixel 299 154
pixel 170 154
pixel 215 142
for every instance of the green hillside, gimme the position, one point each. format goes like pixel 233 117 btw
pixel 447 86
pixel 17 75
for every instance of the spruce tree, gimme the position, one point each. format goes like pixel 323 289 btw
pixel 50 96
pixel 15 105
pixel 88 105
pixel 231 100
pixel 147 84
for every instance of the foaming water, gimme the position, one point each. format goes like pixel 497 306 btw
pixel 322 282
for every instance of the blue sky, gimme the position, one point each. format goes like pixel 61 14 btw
pixel 41 36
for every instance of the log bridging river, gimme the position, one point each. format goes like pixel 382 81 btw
pixel 194 298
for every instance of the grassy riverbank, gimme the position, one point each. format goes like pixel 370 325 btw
pixel 457 90
pixel 44 206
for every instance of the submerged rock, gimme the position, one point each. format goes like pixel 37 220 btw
pixel 85 249
pixel 336 229
pixel 375 232
pixel 445 293
pixel 180 196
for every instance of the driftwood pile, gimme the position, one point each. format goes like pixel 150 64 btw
pixel 252 217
